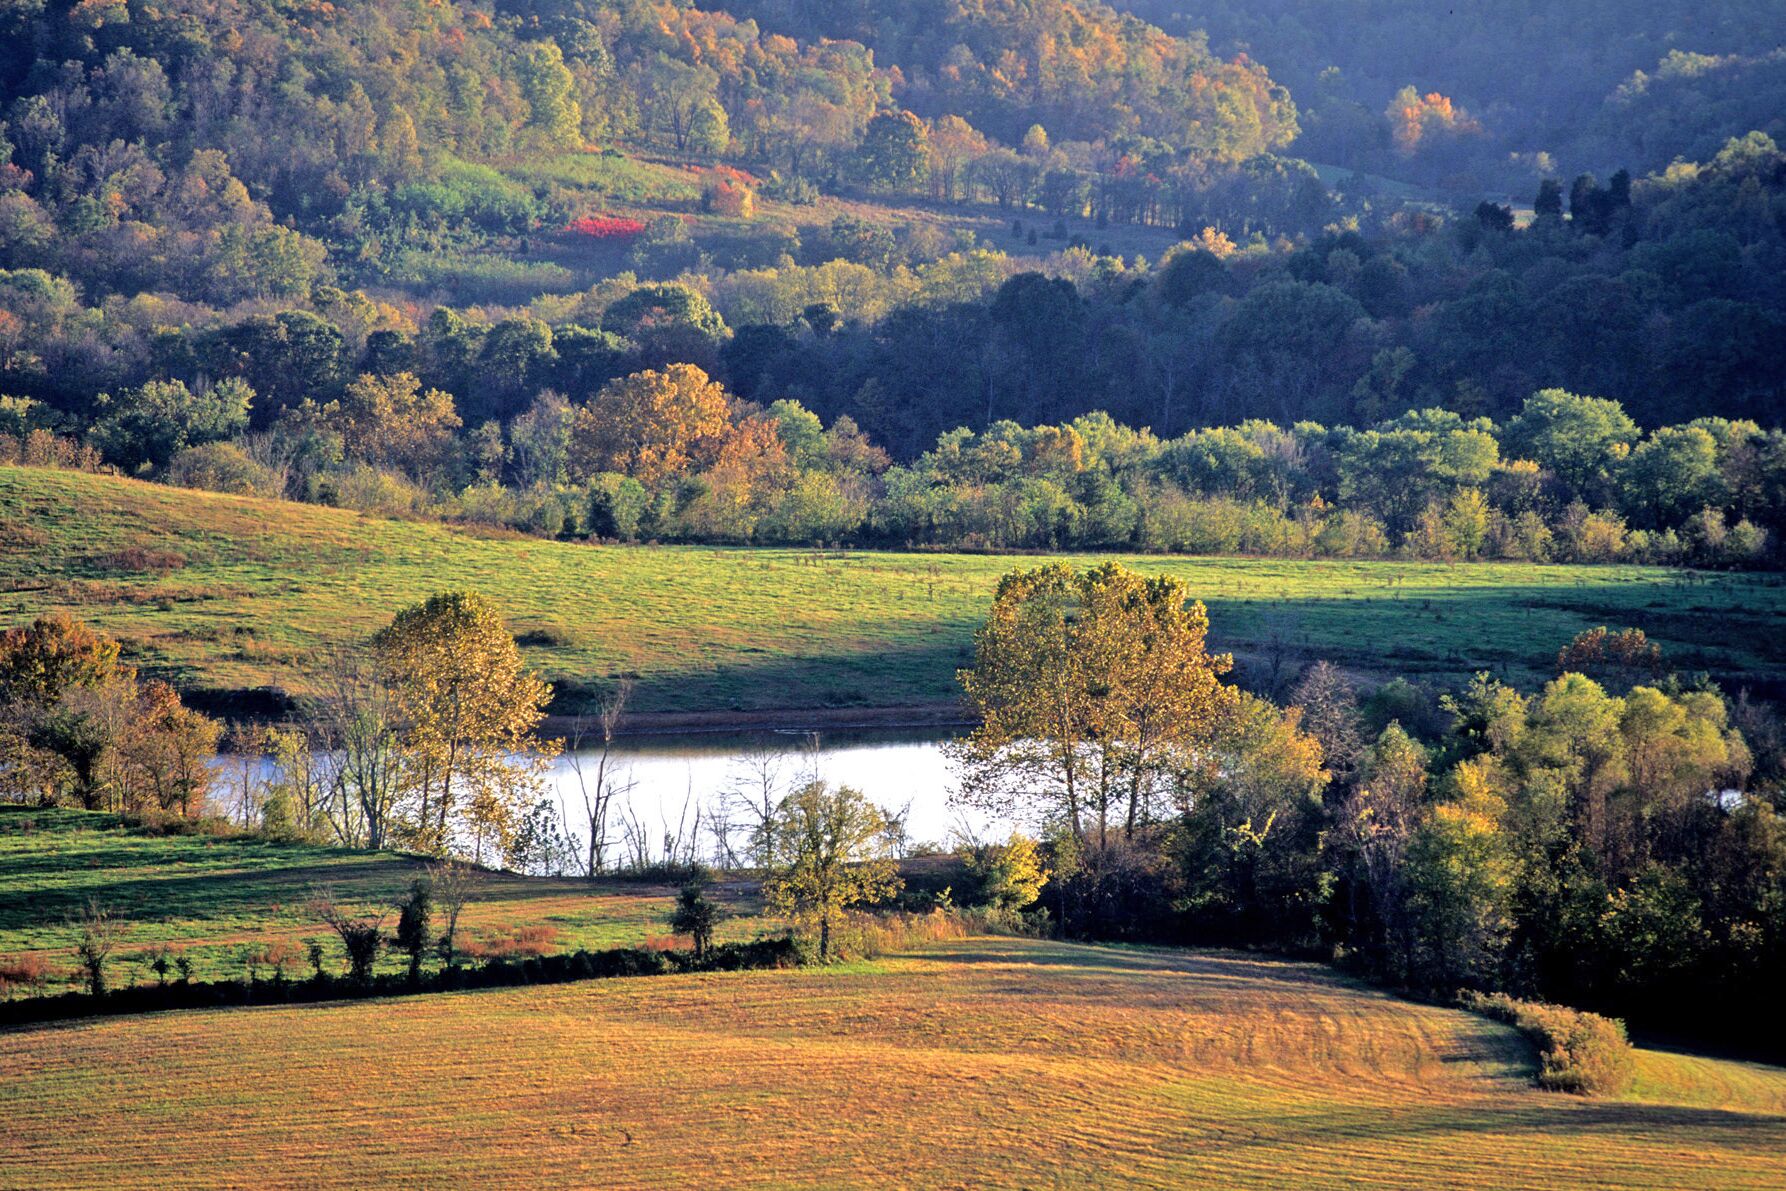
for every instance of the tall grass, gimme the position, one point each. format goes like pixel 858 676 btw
pixel 1578 1052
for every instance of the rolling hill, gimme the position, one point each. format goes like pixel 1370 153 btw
pixel 981 1062
pixel 228 595
pixel 215 899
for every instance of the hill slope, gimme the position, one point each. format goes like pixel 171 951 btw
pixel 214 900
pixel 226 594
pixel 991 1062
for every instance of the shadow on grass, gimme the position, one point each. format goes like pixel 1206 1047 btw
pixel 1551 1113
pixel 1130 960
pixel 865 670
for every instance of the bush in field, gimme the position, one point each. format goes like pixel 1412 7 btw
pixel 414 915
pixel 696 916
pixel 1009 876
pixel 1578 1052
pixel 224 467
pixel 100 930
pixel 360 936
pixel 730 192
pixel 831 855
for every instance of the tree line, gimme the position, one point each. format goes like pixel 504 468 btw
pixel 671 455
pixel 422 738
pixel 1613 840
pixel 1658 294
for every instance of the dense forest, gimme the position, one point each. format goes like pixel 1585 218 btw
pixel 795 272
pixel 1497 95
pixel 1611 840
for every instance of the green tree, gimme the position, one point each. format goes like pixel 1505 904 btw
pixel 414 932
pixel 830 852
pixel 696 915
pixel 1092 690
pixel 1461 883
pixel 1010 875
pixel 1581 439
pixel 549 89
pixel 1672 473
pixel 148 426
pixel 895 151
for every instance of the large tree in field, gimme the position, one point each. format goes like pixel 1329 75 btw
pixel 830 850
pixel 470 708
pixel 1093 690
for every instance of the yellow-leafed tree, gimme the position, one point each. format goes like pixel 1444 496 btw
pixel 470 709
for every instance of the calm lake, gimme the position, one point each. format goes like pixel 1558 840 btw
pixel 663 780
pixel 671 775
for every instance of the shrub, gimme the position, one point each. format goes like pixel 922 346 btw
pixel 795 190
pixel 135 559
pixel 368 490
pixel 1578 1052
pixel 867 935
pixel 224 467
pixel 607 227
pixel 729 192
pixel 29 972
pixel 42 448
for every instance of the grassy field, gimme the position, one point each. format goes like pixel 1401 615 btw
pixel 983 1062
pixel 227 594
pixel 214 900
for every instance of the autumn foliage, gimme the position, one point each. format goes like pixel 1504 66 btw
pixel 1415 118
pixel 728 191
pixel 606 227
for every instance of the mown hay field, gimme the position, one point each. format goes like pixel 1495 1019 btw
pixel 217 900
pixel 228 594
pixel 980 1062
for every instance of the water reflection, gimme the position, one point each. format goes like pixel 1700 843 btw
pixel 665 780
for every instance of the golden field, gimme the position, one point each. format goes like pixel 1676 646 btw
pixel 980 1062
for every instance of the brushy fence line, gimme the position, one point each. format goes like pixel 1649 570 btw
pixel 1578 1052
pixel 498 973
pixel 869 934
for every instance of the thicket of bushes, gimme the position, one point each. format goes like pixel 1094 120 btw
pixel 499 973
pixel 1578 1052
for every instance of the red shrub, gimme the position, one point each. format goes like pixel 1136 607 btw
pixel 607 227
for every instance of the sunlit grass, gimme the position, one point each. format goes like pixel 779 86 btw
pixel 215 900
pixel 986 1062
pixel 265 583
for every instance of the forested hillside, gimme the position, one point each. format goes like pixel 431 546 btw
pixel 949 272
pixel 1501 93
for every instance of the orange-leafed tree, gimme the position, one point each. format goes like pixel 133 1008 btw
pixel 651 425
pixel 1415 119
